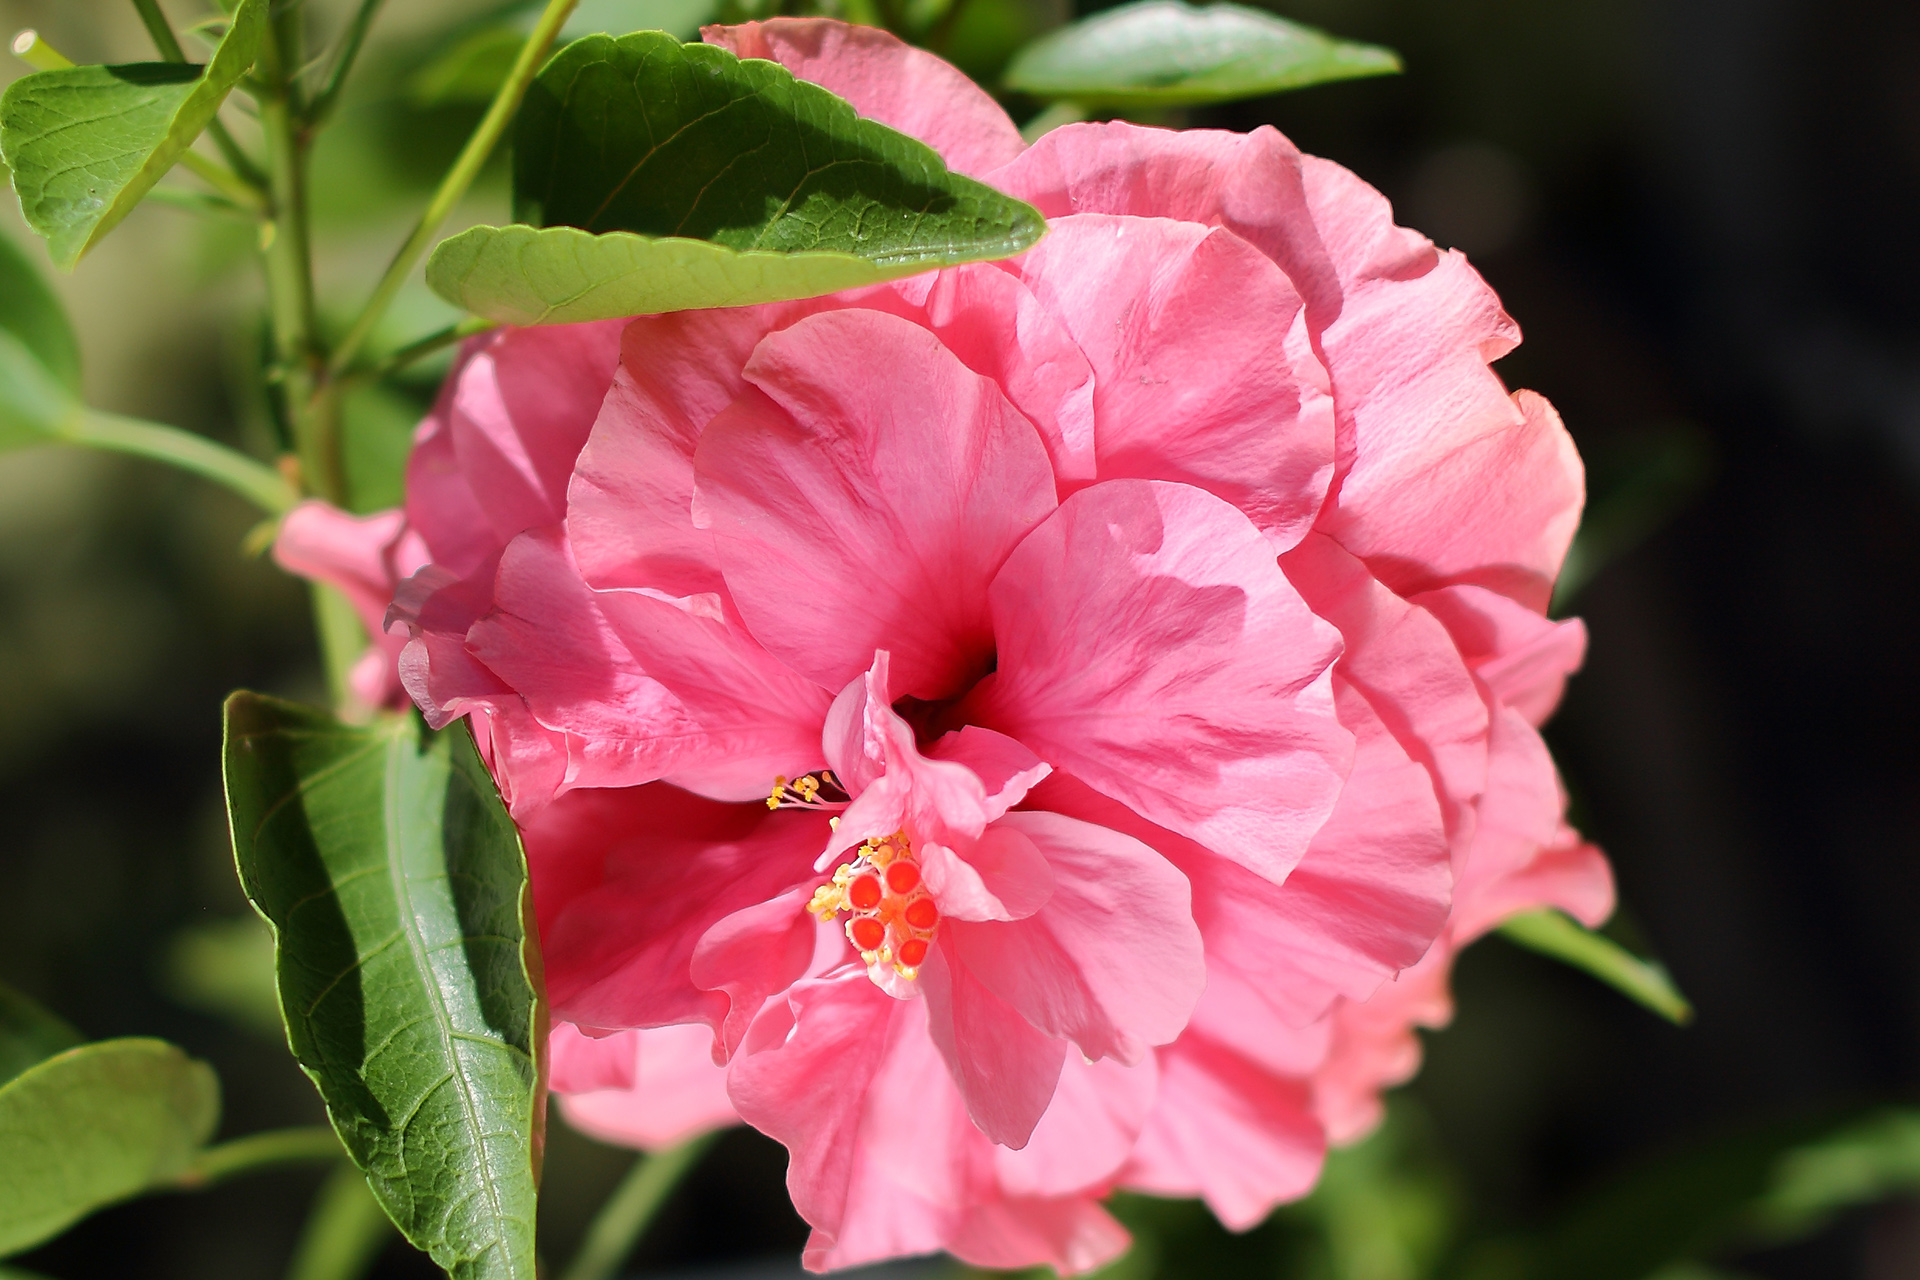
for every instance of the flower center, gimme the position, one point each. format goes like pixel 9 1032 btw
pixel 892 916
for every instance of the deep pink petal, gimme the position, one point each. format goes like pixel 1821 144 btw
pixel 1523 657
pixel 627 881
pixel 676 1092
pixel 1113 961
pixel 1005 1067
pixel 887 80
pixel 1149 644
pixel 1204 369
pixel 1226 1130
pixel 856 511
pixel 522 404
pixel 1006 769
pixel 649 688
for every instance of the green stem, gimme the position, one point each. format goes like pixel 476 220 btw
pixel 37 53
pixel 169 46
pixel 273 1149
pixel 254 481
pixel 624 1217
pixel 224 180
pixel 356 35
pixel 199 202
pixel 465 169
pixel 439 340
pixel 342 640
pixel 290 263
pixel 344 1231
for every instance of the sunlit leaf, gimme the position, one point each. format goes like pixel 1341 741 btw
pixel 1163 53
pixel 1553 934
pixel 666 176
pixel 30 312
pixel 28 1034
pixel 94 1125
pixel 86 143
pixel 397 889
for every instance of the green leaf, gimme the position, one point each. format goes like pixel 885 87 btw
pixel 666 176
pixel 35 406
pixel 1162 53
pixel 86 143
pixel 1552 933
pixel 397 890
pixel 1875 1158
pixel 28 1034
pixel 470 70
pixel 94 1125
pixel 30 312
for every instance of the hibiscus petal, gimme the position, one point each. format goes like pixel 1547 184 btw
pixel 522 407
pixel 1525 658
pixel 1241 1137
pixel 842 1075
pixel 581 1063
pixel 1097 1112
pixel 887 80
pixel 626 883
pixel 1149 644
pixel 650 688
pixel 1180 322
pixel 754 954
pixel 856 511
pixel 1072 1234
pixel 675 1094
pixel 1003 876
pixel 1113 961
pixel 1005 1067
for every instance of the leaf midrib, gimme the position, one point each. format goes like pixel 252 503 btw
pixel 442 1019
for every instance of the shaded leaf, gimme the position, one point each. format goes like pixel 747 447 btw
pixel 1874 1158
pixel 707 181
pixel 86 143
pixel 28 1033
pixel 397 890
pixel 35 406
pixel 1555 934
pixel 472 69
pixel 1163 53
pixel 30 312
pixel 94 1125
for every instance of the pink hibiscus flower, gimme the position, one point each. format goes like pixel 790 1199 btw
pixel 1122 649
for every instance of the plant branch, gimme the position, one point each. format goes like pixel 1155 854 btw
pixel 290 265
pixel 465 169
pixel 224 180
pixel 37 53
pixel 169 46
pixel 254 481
pixel 272 1149
pixel 439 340
pixel 345 1230
pixel 624 1217
pixel 356 35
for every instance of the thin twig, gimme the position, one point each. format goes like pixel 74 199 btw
pixel 458 179
pixel 356 34
pixel 169 46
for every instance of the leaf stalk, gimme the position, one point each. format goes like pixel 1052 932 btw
pixel 252 480
pixel 257 1151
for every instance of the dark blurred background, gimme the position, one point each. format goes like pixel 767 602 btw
pixel 1705 215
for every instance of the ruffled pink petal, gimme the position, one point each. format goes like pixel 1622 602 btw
pixel 1523 657
pixel 753 955
pixel 1005 1067
pixel 673 1091
pixel 1078 1147
pixel 649 688
pixel 1149 644
pixel 866 500
pixel 887 80
pixel 1006 769
pixel 1375 1046
pixel 1406 665
pixel 1488 498
pixel 1223 1128
pixel 844 1077
pixel 1002 876
pixel 521 406
pixel 1204 369
pixel 1112 962
pixel 627 882
pixel 1073 1234
pixel 1519 815
pixel 1569 874
pixel 630 502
